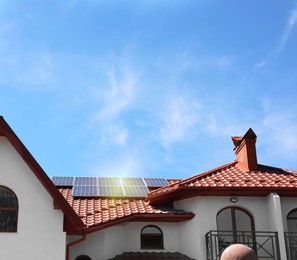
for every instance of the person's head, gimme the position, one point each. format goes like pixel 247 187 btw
pixel 238 252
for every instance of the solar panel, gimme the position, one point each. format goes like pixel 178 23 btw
pixel 155 182
pixel 63 181
pixel 109 181
pixel 109 186
pixel 133 182
pixel 81 181
pixel 134 191
pixel 111 191
pixel 85 191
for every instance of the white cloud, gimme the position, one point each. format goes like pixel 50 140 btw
pixel 279 130
pixel 292 21
pixel 180 116
pixel 120 93
pixel 30 71
pixel 113 99
pixel 282 139
pixel 117 134
pixel 261 64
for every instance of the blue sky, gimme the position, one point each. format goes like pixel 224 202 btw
pixel 149 88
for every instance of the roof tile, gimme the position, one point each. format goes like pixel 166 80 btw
pixel 232 175
pixel 96 211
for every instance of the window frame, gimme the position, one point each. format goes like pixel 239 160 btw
pixel 10 209
pixel 158 236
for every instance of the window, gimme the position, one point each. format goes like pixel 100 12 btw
pixel 151 238
pixel 8 210
pixel 292 221
pixel 233 223
pixel 83 257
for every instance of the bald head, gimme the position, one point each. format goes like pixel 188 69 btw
pixel 238 252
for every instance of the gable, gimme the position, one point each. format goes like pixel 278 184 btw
pixel 18 155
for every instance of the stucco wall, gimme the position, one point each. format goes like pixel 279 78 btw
pixel 115 240
pixel 40 228
pixel 192 233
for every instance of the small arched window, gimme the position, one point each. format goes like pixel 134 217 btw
pixel 83 257
pixel 8 210
pixel 151 238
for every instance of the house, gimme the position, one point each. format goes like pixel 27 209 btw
pixel 99 218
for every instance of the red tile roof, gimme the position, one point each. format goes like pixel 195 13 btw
pixel 98 213
pixel 230 179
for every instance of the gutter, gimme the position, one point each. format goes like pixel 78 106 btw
pixel 73 243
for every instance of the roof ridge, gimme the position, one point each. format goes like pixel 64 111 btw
pixel 195 177
pixel 278 168
pixel 203 174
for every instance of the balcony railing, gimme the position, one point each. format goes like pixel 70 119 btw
pixel 265 244
pixel 291 245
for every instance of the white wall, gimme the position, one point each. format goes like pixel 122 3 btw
pixel 192 233
pixel 40 227
pixel 115 240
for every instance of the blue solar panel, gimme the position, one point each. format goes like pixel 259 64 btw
pixel 109 186
pixel 155 182
pixel 109 181
pixel 134 191
pixel 81 181
pixel 133 182
pixel 85 191
pixel 110 191
pixel 63 181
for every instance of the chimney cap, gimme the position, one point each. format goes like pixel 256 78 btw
pixel 250 134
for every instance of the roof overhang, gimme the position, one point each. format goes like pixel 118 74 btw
pixel 141 218
pixel 188 192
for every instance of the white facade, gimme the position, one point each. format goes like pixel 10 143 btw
pixel 112 241
pixel 40 227
pixel 269 214
pixel 188 237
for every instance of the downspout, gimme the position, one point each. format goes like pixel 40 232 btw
pixel 74 243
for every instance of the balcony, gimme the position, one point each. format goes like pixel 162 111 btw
pixel 291 245
pixel 265 244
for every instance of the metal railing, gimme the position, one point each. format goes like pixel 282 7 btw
pixel 291 245
pixel 265 244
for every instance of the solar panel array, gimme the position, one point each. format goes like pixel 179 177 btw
pixel 109 186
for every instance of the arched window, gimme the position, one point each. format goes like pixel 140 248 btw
pixel 292 221
pixel 151 238
pixel 8 210
pixel 233 223
pixel 83 257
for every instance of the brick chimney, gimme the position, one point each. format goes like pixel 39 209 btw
pixel 245 150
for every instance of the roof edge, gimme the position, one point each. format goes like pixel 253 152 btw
pixel 59 201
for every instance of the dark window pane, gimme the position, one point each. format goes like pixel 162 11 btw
pixel 151 238
pixel 152 241
pixel 7 198
pixel 8 220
